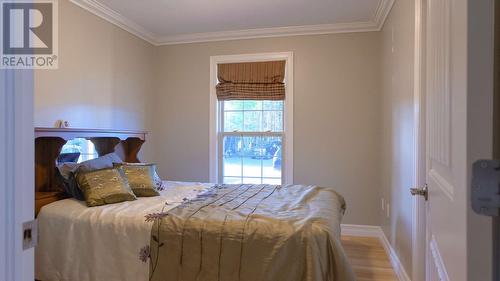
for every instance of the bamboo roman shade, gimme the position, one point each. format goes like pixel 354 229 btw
pixel 251 81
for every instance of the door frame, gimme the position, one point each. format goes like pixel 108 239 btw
pixel 496 131
pixel 419 247
pixel 17 171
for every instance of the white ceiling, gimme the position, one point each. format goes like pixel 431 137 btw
pixel 180 21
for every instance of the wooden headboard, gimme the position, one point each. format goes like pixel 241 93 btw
pixel 48 145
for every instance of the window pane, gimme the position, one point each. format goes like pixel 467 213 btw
pixel 271 181
pixel 252 166
pixel 259 147
pixel 272 121
pixel 233 105
pixel 231 164
pixel 279 124
pixel 272 105
pixel 250 157
pixel 248 145
pixel 252 105
pixel 233 146
pixel 252 180
pixel 252 121
pixel 233 121
pixel 271 165
pixel 231 180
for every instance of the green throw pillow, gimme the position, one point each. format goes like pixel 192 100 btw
pixel 141 178
pixel 105 186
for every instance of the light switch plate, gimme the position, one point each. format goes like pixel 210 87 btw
pixel 30 234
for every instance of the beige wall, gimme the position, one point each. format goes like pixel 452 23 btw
pixel 105 75
pixel 397 55
pixel 107 78
pixel 336 113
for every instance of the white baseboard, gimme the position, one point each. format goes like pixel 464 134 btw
pixel 376 231
pixel 361 230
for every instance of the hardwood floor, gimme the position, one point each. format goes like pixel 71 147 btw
pixel 368 259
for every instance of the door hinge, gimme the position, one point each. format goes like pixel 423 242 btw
pixel 485 187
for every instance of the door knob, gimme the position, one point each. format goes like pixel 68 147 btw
pixel 423 191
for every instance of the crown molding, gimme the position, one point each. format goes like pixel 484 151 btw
pixel 382 12
pixel 269 32
pixel 106 13
pixel 121 21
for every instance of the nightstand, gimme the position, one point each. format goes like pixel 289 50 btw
pixel 44 198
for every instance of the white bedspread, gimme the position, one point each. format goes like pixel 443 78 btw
pixel 77 243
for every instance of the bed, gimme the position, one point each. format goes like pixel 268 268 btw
pixel 192 231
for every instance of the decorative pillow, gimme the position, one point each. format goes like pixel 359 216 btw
pixel 105 161
pixel 105 186
pixel 66 169
pixel 67 179
pixel 141 178
pixel 67 172
pixel 158 181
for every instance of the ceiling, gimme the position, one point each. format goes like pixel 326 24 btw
pixel 183 21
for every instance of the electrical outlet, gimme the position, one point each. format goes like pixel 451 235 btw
pixel 30 234
pixel 388 209
pixel 383 204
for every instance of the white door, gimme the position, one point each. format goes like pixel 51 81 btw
pixel 458 97
pixel 446 133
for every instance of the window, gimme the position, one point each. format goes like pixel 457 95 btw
pixel 252 138
pixel 83 147
pixel 251 141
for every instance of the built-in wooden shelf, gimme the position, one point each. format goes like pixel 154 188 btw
pixel 49 142
pixel 72 133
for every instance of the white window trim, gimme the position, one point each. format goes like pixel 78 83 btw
pixel 214 125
